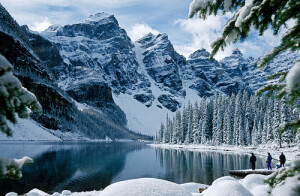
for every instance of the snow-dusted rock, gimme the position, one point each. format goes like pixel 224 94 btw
pixel 145 187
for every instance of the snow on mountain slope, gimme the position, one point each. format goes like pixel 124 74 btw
pixel 27 129
pixel 147 116
pixel 140 118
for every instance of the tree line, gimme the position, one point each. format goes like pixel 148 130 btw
pixel 242 119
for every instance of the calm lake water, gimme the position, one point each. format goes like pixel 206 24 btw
pixel 93 166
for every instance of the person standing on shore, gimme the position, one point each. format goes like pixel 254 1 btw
pixel 252 161
pixel 282 159
pixel 269 161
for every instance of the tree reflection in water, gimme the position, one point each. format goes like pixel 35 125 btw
pixel 74 167
pixel 183 166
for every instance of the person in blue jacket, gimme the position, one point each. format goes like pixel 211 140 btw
pixel 269 161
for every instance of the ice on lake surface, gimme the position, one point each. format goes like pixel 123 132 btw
pixel 93 166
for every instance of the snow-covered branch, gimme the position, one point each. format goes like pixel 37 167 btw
pixel 14 99
pixel 11 168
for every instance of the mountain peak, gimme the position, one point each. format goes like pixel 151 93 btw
pixel 97 17
pixel 54 27
pixel 201 53
pixel 236 52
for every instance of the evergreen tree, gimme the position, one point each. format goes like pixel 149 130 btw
pixel 215 119
pixel 219 131
pixel 242 133
pixel 14 99
pixel 258 135
pixel 189 137
pixel 161 133
pixel 265 129
pixel 237 118
pixel 183 125
pixel 254 133
pixel 270 119
pixel 195 124
pixel 167 131
pixel 287 136
pixel 247 131
pixel 205 125
pixel 276 122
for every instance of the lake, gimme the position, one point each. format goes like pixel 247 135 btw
pixel 79 166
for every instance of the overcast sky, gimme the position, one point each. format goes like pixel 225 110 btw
pixel 139 17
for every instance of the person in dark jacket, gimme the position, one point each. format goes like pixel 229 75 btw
pixel 269 161
pixel 252 161
pixel 282 159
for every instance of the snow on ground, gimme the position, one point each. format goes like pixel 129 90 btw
pixel 227 188
pixel 262 150
pixel 193 187
pixel 136 187
pixel 27 129
pixel 255 183
pixel 145 187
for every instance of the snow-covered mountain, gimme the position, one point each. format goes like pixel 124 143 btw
pixel 39 66
pixel 95 64
pixel 148 78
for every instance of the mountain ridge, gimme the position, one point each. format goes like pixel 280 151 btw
pixel 137 84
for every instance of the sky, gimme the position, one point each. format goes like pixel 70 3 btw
pixel 139 17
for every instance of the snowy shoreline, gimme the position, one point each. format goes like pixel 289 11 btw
pixel 291 153
pixel 252 184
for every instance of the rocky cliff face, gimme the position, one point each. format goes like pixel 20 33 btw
pixel 41 69
pixel 99 49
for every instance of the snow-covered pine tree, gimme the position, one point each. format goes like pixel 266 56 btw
pixel 287 135
pixel 247 132
pixel 242 133
pixel 254 132
pixel 225 119
pixel 264 138
pixel 249 120
pixel 215 119
pixel 276 122
pixel 220 114
pixel 183 125
pixel 175 130
pixel 178 127
pixel 161 133
pixel 195 124
pixel 14 99
pixel 205 124
pixel 258 135
pixel 237 118
pixel 171 131
pixel 262 15
pixel 189 136
pixel 167 131
pixel 270 119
